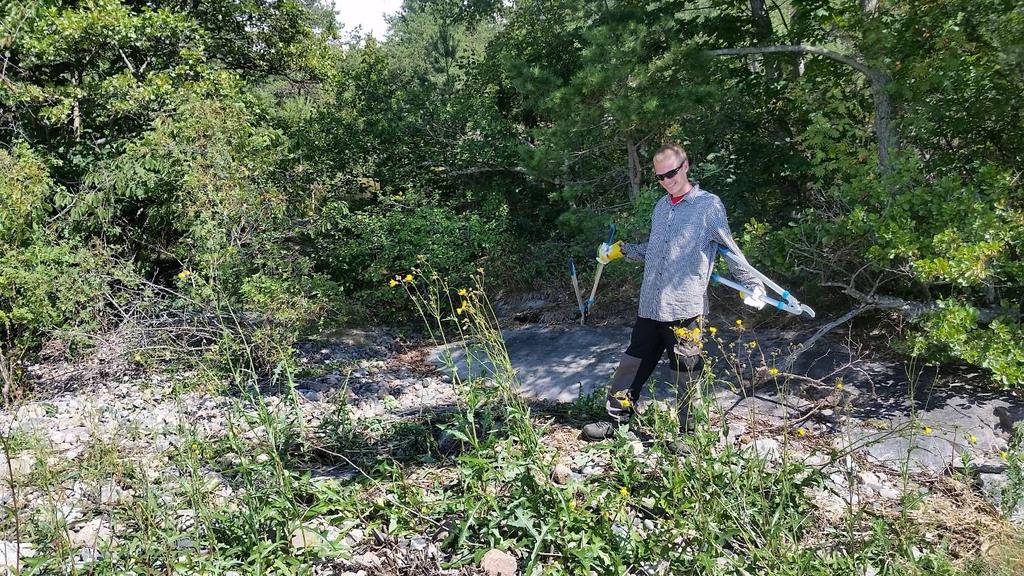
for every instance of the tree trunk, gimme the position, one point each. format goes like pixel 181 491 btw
pixel 76 113
pixel 634 169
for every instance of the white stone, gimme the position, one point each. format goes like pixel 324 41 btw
pixel 18 467
pixel 305 538
pixel 867 477
pixel 90 534
pixel 353 538
pixel 768 449
pixel 11 553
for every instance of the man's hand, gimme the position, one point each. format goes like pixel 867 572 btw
pixel 756 299
pixel 608 252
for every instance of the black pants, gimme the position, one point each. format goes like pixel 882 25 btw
pixel 651 339
pixel 648 343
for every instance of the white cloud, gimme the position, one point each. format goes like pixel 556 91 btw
pixel 368 14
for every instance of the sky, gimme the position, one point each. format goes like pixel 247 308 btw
pixel 366 13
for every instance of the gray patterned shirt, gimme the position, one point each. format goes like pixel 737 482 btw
pixel 679 255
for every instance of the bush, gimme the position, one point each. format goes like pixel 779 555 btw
pixel 55 285
pixel 24 194
pixel 363 250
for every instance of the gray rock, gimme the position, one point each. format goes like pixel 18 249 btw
pixel 353 538
pixel 994 487
pixel 883 491
pixel 867 477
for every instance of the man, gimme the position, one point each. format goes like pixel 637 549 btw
pixel 687 227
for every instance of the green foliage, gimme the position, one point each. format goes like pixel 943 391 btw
pixel 24 194
pixel 47 287
pixel 953 332
pixel 363 250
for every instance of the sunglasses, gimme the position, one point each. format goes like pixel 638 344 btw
pixel 670 173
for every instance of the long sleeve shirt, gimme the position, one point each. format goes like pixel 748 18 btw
pixel 680 253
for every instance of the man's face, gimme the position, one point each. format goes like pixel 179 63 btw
pixel 666 163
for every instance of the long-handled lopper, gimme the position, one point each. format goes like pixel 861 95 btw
pixel 576 289
pixel 786 301
pixel 585 305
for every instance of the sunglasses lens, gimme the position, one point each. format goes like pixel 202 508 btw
pixel 667 175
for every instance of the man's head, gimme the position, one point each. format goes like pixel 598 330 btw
pixel 671 168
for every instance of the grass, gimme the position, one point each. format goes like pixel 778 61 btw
pixel 471 477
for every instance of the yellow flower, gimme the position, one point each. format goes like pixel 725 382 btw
pixel 839 386
pixel 623 399
pixel 1005 456
pixel 739 322
pixel 679 331
pixel 572 504
pixel 752 345
pixel 972 439
pixel 392 283
pixel 927 429
pixel 773 371
pixel 624 492
pixel 801 432
pixel 184 274
pixel 408 278
pixel 713 330
pixel 462 292
pixel 462 308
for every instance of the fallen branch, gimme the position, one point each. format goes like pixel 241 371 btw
pixel 909 308
pixel 787 364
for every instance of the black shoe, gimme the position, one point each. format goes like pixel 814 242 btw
pixel 600 430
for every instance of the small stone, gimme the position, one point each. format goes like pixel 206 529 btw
pixel 353 538
pixel 883 491
pixel 560 474
pixel 498 563
pixel 304 538
pixel 867 477
pixel 368 560
pixel 30 411
pixel 17 468
pixel 767 449
pixel 817 459
pixel 90 534
pixel 311 395
pixel 11 553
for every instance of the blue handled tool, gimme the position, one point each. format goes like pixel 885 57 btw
pixel 786 301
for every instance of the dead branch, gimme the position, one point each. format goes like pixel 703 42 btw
pixel 787 364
